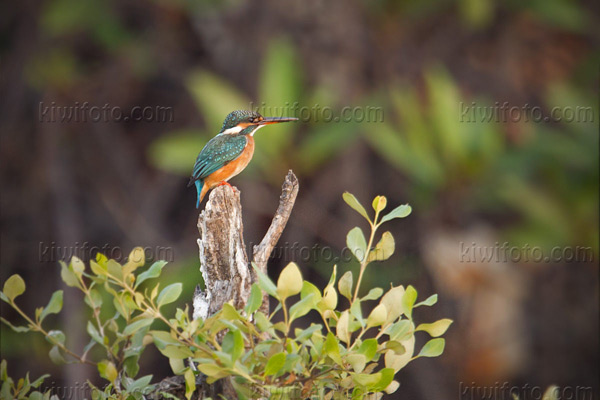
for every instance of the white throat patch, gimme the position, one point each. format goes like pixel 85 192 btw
pixel 232 131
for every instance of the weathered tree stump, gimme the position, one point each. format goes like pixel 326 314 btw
pixel 226 269
pixel 227 272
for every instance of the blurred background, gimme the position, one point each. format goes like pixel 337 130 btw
pixel 483 115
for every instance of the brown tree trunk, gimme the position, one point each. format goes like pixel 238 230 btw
pixel 226 269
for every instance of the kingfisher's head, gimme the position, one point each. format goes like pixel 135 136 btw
pixel 248 122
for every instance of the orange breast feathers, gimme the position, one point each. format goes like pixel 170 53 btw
pixel 232 168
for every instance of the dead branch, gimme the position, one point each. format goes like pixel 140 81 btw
pixel 224 263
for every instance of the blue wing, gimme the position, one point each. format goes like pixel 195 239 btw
pixel 219 151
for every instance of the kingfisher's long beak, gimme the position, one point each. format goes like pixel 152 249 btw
pixel 275 120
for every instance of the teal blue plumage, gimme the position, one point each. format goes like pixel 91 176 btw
pixel 227 147
pixel 219 151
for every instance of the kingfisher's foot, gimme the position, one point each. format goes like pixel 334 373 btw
pixel 223 183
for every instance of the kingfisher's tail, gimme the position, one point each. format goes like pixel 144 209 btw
pixel 199 183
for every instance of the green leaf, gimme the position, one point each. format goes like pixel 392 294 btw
pixel 94 300
pixel 177 366
pixel 68 276
pixel 310 289
pixel 101 259
pixel 233 344
pixel 329 299
pixel 333 276
pixel 342 327
pixel 211 370
pixel 433 348
pixel 408 300
pixel 140 384
pixel 230 313
pixel 387 376
pixel 431 300
pixel 163 339
pixel 169 294
pixel 131 365
pixel 54 305
pixel 345 285
pixel 137 325
pixel 302 334
pixel 302 307
pixel 437 328
pixel 176 351
pixel 56 337
pixel 356 243
pixel 98 269
pixel 393 303
pixel 366 380
pixel 398 212
pixel 36 396
pixel 14 286
pixel 373 294
pixel 291 360
pixel 255 299
pixel 368 348
pixel 357 361
pixel 379 203
pixel 262 322
pixel 392 387
pixel 190 383
pixel 289 282
pixel 355 204
pixel 114 269
pixel 384 249
pixel 397 347
pixel 107 370
pixel 274 364
pixel 35 384
pixel 332 348
pixel 77 265
pixel 356 311
pixel 3 370
pixel 265 282
pixel 400 330
pixel 94 334
pixel 153 272
pixel 19 329
pixel 378 316
pixel 56 356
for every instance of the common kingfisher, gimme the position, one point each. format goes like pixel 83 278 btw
pixel 228 153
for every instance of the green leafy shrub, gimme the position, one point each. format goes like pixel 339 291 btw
pixel 24 387
pixel 349 355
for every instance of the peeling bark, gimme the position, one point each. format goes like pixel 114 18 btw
pixel 224 264
pixel 226 270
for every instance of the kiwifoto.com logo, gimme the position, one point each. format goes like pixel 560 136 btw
pixel 84 112
pixel 506 112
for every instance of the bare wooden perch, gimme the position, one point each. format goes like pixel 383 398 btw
pixel 226 270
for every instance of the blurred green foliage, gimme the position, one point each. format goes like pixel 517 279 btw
pixel 424 137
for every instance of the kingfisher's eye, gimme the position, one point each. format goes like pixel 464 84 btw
pixel 251 119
